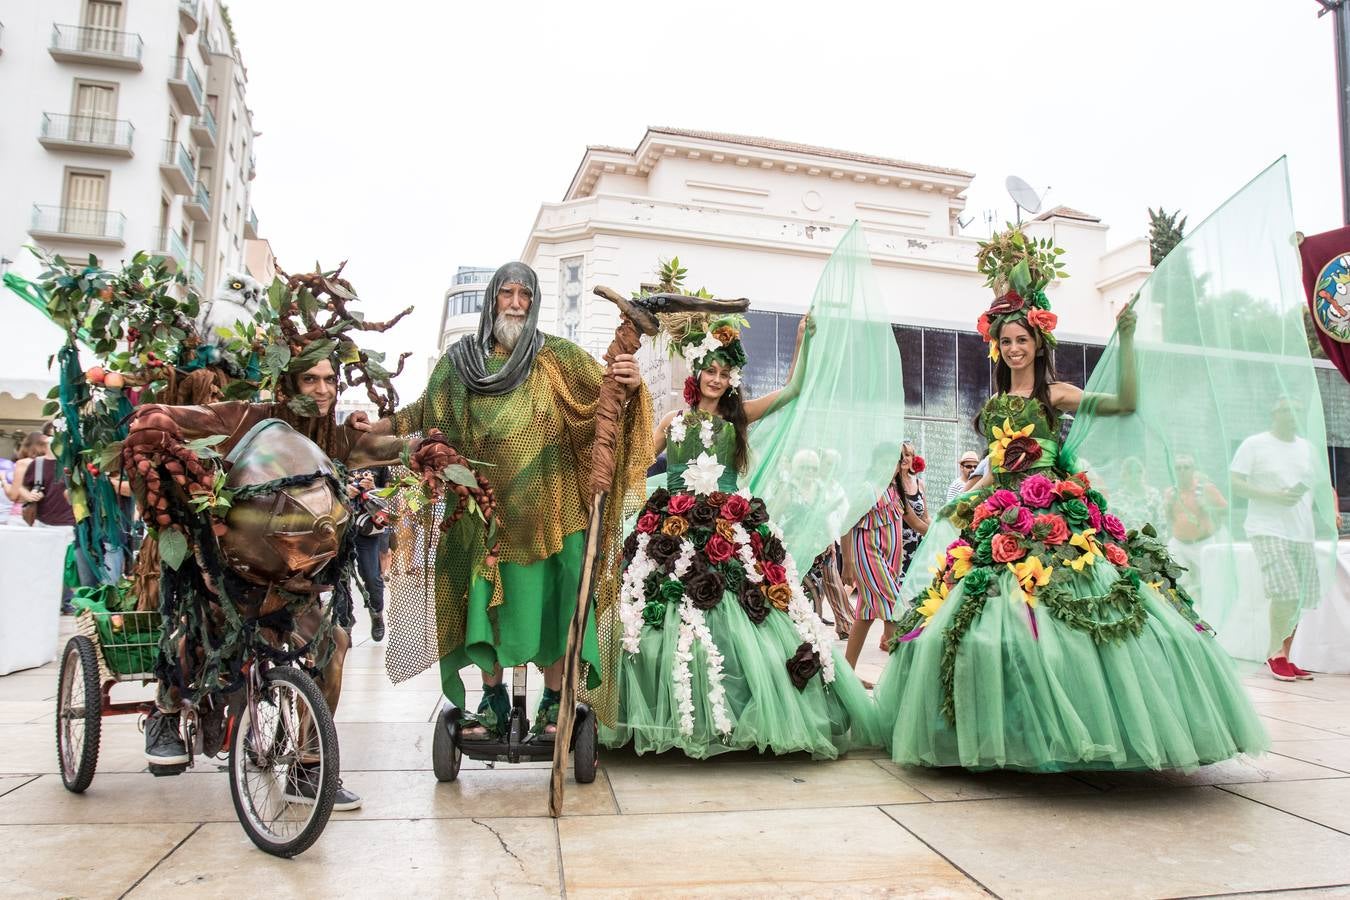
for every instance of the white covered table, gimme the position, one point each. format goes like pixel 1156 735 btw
pixel 32 562
pixel 1233 600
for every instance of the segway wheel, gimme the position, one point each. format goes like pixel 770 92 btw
pixel 79 714
pixel 586 747
pixel 446 754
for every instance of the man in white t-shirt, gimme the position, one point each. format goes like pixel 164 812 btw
pixel 1275 471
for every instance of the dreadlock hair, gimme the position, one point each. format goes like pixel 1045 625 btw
pixel 1044 375
pixel 322 430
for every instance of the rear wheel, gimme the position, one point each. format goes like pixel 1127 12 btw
pixel 79 714
pixel 286 724
pixel 446 754
pixel 585 747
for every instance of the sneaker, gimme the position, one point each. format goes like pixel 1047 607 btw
pixel 1280 669
pixel 303 782
pixel 1301 674
pixel 163 742
pixel 377 627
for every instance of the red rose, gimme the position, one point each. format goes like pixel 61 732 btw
pixel 1043 319
pixel 1021 453
pixel 1070 490
pixel 1007 548
pixel 982 326
pixel 647 522
pixel 717 498
pixel 757 544
pixel 1117 556
pixel 1055 528
pixel 1082 478
pixel 719 549
pixel 982 512
pixel 680 504
pixel 691 391
pixel 918 465
pixel 735 508
pixel 773 572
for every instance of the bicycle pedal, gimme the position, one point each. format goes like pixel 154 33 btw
pixel 167 771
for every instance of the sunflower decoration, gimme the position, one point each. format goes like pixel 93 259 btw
pixel 1018 268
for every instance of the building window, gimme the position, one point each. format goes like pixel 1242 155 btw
pixel 84 208
pixel 569 295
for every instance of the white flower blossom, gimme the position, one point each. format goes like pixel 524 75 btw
pixel 685 559
pixel 735 377
pixel 694 627
pixel 703 473
pixel 705 433
pixel 677 430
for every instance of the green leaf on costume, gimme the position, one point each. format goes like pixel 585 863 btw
pixel 459 475
pixel 50 407
pixel 303 406
pixel 240 390
pixel 173 548
pixel 277 357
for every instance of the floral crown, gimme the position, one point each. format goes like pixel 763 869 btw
pixel 1018 268
pixel 703 341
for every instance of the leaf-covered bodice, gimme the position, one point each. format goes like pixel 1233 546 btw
pixel 1022 439
pixel 700 429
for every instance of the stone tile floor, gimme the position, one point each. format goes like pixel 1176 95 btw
pixel 657 827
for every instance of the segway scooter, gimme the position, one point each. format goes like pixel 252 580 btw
pixel 517 744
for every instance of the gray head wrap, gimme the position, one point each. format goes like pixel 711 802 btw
pixel 470 353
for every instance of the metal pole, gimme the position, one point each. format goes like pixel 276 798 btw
pixel 1342 23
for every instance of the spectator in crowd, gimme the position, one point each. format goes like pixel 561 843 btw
pixel 1196 511
pixel 372 542
pixel 1136 501
pixel 965 469
pixel 1274 471
pixel 872 563
pixel 913 498
pixel 32 447
pixel 44 488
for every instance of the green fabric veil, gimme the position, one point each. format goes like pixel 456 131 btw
pixel 1220 340
pixel 825 453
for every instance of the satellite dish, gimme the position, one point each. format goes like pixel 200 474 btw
pixel 1024 195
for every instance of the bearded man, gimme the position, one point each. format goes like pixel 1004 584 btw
pixel 522 404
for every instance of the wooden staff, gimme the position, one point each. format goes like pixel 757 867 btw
pixel 633 323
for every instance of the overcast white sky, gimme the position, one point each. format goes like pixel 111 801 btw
pixel 413 137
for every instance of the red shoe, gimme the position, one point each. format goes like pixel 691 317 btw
pixel 1301 674
pixel 1280 669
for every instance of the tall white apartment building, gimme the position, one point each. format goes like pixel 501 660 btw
pixel 126 129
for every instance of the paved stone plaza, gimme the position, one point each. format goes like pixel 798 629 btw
pixel 742 826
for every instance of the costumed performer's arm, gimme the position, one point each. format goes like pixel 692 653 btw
pixel 659 435
pixel 195 422
pixel 760 407
pixel 1069 398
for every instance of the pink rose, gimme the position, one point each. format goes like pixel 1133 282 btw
pixel 1117 556
pixel 1095 516
pixel 735 508
pixel 1056 530
pixel 647 522
pixel 1007 548
pixel 1001 499
pixel 1114 527
pixel 680 504
pixel 1038 492
pixel 1018 519
pixel 719 549
pixel 773 572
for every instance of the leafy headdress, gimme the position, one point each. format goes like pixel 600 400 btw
pixel 1018 268
pixel 699 337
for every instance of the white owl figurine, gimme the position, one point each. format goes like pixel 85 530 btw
pixel 235 301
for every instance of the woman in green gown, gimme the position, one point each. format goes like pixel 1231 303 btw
pixel 721 648
pixel 1050 637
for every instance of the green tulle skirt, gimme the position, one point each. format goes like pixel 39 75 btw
pixel 1051 699
pixel 767 711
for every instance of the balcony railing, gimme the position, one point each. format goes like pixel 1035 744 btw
pixel 251 226
pixel 93 133
pixel 169 243
pixel 78 224
pixel 198 206
pixel 176 165
pixel 82 43
pixel 186 85
pixel 197 276
pixel 204 128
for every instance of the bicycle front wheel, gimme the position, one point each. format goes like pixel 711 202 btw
pixel 284 763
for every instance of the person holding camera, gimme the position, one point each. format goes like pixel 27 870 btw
pixel 372 540
pixel 1195 514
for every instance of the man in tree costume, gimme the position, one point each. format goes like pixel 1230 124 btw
pixel 305 382
pixel 522 404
